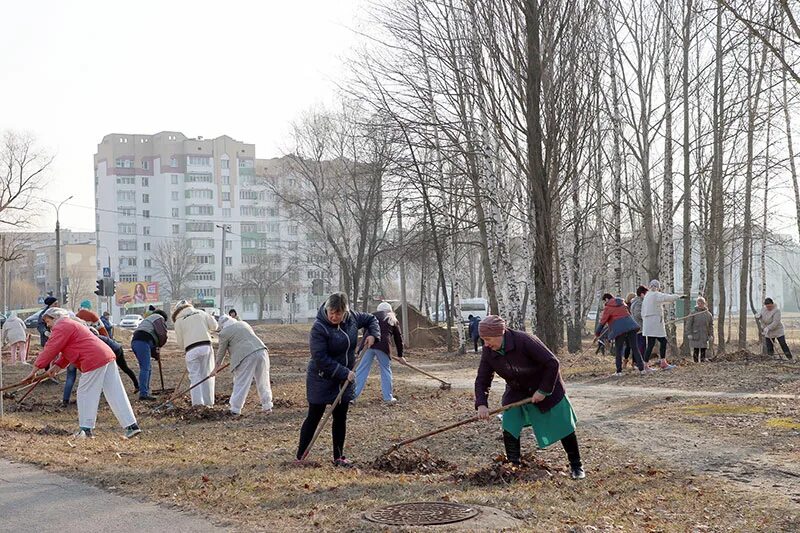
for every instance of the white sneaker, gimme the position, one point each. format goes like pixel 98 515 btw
pixel 391 401
pixel 616 374
pixel 84 434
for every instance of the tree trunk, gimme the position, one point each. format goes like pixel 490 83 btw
pixel 687 178
pixel 616 163
pixel 667 247
pixel 789 145
pixel 540 203
pixel 717 206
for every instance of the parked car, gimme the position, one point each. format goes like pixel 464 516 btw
pixel 33 320
pixel 591 315
pixel 130 321
pixel 474 306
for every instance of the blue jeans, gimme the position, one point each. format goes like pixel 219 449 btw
pixel 362 372
pixel 69 383
pixel 142 350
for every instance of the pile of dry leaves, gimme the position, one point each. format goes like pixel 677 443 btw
pixel 411 460
pixel 503 472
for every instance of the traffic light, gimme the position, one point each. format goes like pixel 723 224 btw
pixel 66 298
pixel 111 287
pixel 100 288
pixel 294 296
pixel 286 297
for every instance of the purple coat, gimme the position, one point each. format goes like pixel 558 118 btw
pixel 527 366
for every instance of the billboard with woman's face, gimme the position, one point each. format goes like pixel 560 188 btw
pixel 137 292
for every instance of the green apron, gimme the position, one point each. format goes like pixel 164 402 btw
pixel 548 427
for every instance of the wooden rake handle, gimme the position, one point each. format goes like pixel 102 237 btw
pixel 458 424
pixel 409 365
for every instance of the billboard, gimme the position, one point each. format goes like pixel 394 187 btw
pixel 137 292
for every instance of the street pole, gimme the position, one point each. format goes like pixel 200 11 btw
pixel 59 288
pixel 403 299
pixel 222 271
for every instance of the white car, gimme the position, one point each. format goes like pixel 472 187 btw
pixel 130 321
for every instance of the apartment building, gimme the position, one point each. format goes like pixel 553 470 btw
pixel 155 189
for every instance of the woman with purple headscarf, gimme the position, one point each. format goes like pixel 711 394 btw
pixel 530 370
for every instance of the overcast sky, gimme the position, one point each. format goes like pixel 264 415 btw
pixel 72 72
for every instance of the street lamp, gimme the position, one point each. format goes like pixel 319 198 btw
pixel 59 288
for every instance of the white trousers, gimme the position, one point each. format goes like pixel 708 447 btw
pixel 255 365
pixel 200 363
pixel 106 380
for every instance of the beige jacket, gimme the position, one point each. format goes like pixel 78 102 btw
pixel 771 323
pixel 193 326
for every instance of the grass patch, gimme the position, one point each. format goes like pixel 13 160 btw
pixel 783 423
pixel 712 409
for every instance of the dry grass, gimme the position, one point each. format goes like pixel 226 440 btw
pixel 240 472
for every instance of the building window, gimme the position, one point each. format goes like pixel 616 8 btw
pixel 146 247
pixel 146 213
pixel 245 163
pixel 145 198
pixel 145 166
pixel 226 212
pixel 123 163
pixel 202 210
pixel 293 229
pixel 293 245
pixel 203 194
pixel 246 194
pixel 127 211
pixel 148 263
pixel 126 196
pixel 198 178
pixel 173 162
pixel 146 230
pixel 204 276
pixel 176 228
pixel 225 163
pixel 127 278
pixel 200 227
pixel 126 229
pixel 125 262
pixel 176 212
pixel 228 261
pixel 145 181
pixel 150 278
pixel 273 227
pixel 199 160
pixel 204 259
pixel 126 180
pixel 226 196
pixel 127 245
pixel 251 211
pixel 228 275
pixel 174 177
pixel 175 196
pixel 226 180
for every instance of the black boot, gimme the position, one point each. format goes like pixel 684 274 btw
pixel 513 448
pixel 570 443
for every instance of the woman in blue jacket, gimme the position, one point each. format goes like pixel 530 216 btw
pixel 333 343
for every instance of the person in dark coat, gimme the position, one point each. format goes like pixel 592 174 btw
pixel 620 326
pixel 41 327
pixel 333 342
pixel 390 329
pixel 473 330
pixel 532 371
pixel 700 328
pixel 106 320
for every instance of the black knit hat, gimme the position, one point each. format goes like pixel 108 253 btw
pixel 50 300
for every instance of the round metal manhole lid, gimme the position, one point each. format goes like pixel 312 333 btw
pixel 421 514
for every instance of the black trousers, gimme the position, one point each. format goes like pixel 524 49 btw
pixel 123 365
pixel 698 354
pixel 570 444
pixel 782 341
pixel 628 342
pixel 651 343
pixel 338 428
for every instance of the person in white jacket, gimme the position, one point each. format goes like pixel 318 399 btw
pixel 193 329
pixel 14 335
pixel 653 322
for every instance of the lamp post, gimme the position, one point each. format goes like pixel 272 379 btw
pixel 59 288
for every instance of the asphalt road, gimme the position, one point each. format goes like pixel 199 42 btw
pixel 34 500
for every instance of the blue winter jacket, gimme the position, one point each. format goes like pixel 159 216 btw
pixel 473 328
pixel 333 354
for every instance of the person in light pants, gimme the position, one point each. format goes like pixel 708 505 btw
pixel 193 329
pixel 249 360
pixel 73 343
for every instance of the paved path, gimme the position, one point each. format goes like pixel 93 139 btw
pixel 34 500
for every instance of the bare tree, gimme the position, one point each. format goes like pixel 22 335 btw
pixel 24 167
pixel 176 263
pixel 80 285
pixel 260 278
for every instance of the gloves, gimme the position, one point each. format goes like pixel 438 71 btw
pixel 155 353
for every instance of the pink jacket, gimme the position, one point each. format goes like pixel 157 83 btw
pixel 72 343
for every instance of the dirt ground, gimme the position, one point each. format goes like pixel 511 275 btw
pixel 703 447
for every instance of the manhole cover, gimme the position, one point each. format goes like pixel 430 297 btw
pixel 421 514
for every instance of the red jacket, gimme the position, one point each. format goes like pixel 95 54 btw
pixel 93 319
pixel 72 343
pixel 616 318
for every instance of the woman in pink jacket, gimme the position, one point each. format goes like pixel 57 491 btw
pixel 72 343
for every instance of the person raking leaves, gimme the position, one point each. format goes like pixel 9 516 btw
pixel 532 371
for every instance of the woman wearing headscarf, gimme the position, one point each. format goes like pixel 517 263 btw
pixel 530 370
pixel 390 329
pixel 249 361
pixel 700 327
pixel 653 326
pixel 71 342
pixel 193 329
pixel 14 335
pixel 333 343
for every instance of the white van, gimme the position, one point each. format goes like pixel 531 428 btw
pixel 474 306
